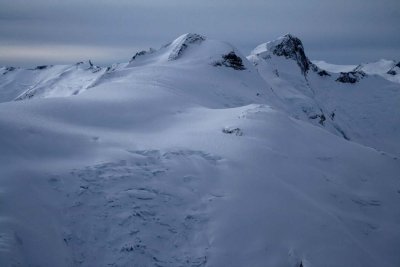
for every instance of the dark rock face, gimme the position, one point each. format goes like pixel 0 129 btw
pixel 393 71
pixel 235 131
pixel 93 68
pixel 8 69
pixel 350 77
pixel 138 54
pixel 292 47
pixel 323 73
pixel 313 114
pixel 41 67
pixel 142 53
pixel 111 68
pixel 231 60
pixel 321 118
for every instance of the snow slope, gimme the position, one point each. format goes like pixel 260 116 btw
pixel 47 81
pixel 357 106
pixel 334 67
pixel 192 160
pixel 388 69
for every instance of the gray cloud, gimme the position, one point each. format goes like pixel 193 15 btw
pixel 339 31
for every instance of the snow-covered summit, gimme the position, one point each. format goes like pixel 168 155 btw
pixel 183 42
pixel 171 51
pixel 314 95
pixel 193 49
pixel 287 46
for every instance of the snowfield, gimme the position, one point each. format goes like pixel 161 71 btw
pixel 388 69
pixel 195 155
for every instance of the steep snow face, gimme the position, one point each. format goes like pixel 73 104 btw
pixel 182 43
pixel 47 81
pixel 169 52
pixel 289 84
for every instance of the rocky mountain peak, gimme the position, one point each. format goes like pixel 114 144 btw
pixel 291 47
pixel 287 46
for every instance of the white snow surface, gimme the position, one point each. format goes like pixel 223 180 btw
pixel 162 162
pixel 336 68
pixel 47 81
pixel 380 68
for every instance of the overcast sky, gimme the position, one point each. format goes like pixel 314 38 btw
pixel 34 32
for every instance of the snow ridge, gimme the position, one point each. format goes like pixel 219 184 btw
pixel 142 53
pixel 183 42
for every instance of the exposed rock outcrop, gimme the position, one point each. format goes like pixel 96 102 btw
pixel 231 60
pixel 351 77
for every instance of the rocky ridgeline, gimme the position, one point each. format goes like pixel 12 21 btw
pixel 351 77
pixel 292 47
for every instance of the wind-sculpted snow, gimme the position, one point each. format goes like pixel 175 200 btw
pixel 151 213
pixel 142 53
pixel 47 81
pixel 186 162
pixel 182 43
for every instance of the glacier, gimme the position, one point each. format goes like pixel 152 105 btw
pixel 197 155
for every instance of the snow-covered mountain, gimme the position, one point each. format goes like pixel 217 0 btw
pixel 355 105
pixel 195 155
pixel 47 81
pixel 388 69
